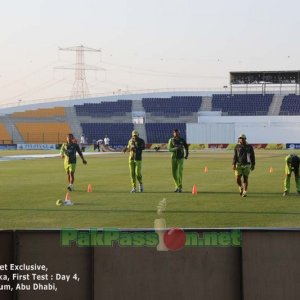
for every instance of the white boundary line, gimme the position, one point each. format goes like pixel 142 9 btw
pixel 38 156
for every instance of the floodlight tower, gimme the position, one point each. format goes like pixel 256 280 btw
pixel 80 87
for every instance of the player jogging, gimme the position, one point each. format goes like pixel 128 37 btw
pixel 292 162
pixel 68 152
pixel 177 145
pixel 243 163
pixel 135 147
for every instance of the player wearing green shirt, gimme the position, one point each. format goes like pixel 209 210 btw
pixel 243 163
pixel 179 148
pixel 292 162
pixel 68 152
pixel 135 147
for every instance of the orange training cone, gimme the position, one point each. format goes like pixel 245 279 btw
pixel 194 190
pixel 271 170
pixel 89 189
pixel 206 169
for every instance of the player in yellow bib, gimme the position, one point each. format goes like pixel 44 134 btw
pixel 68 152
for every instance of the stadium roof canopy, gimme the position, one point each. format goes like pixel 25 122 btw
pixel 265 77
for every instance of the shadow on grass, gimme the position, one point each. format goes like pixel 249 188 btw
pixel 63 209
pixel 264 194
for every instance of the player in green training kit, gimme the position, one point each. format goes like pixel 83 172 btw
pixel 177 145
pixel 135 147
pixel 243 163
pixel 292 162
pixel 68 152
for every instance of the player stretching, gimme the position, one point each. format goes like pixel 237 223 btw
pixel 68 152
pixel 292 162
pixel 243 162
pixel 177 145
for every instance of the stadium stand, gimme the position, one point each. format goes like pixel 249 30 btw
pixel 242 104
pixel 104 109
pixel 118 133
pixel 41 113
pixel 43 132
pixel 5 137
pixel 290 105
pixel 162 132
pixel 161 116
pixel 172 107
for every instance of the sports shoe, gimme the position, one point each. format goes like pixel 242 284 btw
pixel 285 193
pixel 179 190
pixel 141 188
pixel 241 190
pixel 68 203
pixel 244 194
pixel 70 187
pixel 133 190
pixel 176 190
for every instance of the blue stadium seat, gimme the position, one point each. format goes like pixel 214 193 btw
pixel 104 109
pixel 242 104
pixel 290 105
pixel 118 133
pixel 174 106
pixel 162 132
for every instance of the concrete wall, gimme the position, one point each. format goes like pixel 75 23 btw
pixel 258 129
pixel 265 267
pixel 271 265
pixel 44 248
pixel 206 133
pixel 144 273
pixel 6 257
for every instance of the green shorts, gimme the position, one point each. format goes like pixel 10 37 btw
pixel 242 170
pixel 70 167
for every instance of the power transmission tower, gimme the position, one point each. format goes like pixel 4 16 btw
pixel 80 87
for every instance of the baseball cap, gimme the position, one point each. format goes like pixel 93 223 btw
pixel 134 132
pixel 242 136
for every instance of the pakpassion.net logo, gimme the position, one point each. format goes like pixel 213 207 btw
pixel 164 240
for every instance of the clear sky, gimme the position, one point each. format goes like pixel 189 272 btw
pixel 153 44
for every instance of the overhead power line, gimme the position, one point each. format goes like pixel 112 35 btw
pixel 80 87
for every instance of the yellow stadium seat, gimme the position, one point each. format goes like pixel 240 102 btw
pixel 5 137
pixel 41 113
pixel 49 133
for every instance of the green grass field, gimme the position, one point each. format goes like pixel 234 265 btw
pixel 30 188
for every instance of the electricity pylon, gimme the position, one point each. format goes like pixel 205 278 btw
pixel 80 87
